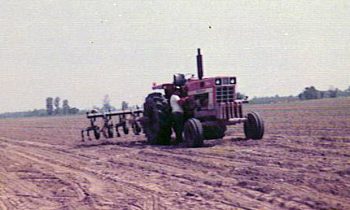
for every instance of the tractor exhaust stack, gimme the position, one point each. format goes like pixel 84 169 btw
pixel 199 64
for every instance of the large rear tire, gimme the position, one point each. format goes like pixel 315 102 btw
pixel 193 133
pixel 254 126
pixel 157 122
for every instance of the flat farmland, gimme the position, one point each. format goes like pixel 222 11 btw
pixel 303 162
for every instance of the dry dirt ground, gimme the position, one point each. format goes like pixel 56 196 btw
pixel 303 162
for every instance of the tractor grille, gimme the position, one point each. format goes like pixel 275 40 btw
pixel 224 94
pixel 229 110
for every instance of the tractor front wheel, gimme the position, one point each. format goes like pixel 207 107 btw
pixel 254 126
pixel 193 133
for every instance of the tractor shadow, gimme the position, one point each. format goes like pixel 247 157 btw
pixel 141 144
pixel 106 142
pixel 237 139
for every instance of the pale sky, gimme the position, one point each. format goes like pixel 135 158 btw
pixel 83 50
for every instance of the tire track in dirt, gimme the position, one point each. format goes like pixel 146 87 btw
pixel 25 182
pixel 105 175
pixel 189 178
pixel 247 194
pixel 288 173
pixel 94 179
pixel 186 158
pixel 169 177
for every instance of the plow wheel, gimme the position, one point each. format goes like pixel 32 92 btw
pixel 110 132
pixel 193 133
pixel 125 130
pixel 157 122
pixel 107 132
pixel 97 133
pixel 136 128
pixel 254 126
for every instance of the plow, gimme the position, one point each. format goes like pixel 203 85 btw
pixel 210 105
pixel 125 118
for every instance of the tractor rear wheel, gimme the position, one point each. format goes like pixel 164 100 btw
pixel 157 122
pixel 193 133
pixel 254 126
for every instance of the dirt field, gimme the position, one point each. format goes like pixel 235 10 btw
pixel 303 162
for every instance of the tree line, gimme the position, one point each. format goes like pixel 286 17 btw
pixel 308 93
pixel 107 106
pixel 53 107
pixel 312 93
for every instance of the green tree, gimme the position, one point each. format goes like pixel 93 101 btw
pixel 65 107
pixel 106 104
pixel 49 105
pixel 57 105
pixel 125 105
pixel 310 93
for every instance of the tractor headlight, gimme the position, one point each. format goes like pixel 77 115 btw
pixel 217 81
pixel 232 80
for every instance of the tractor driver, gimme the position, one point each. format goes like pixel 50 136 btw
pixel 177 112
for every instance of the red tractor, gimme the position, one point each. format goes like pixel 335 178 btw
pixel 212 105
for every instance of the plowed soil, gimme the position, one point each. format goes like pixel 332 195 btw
pixel 303 162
